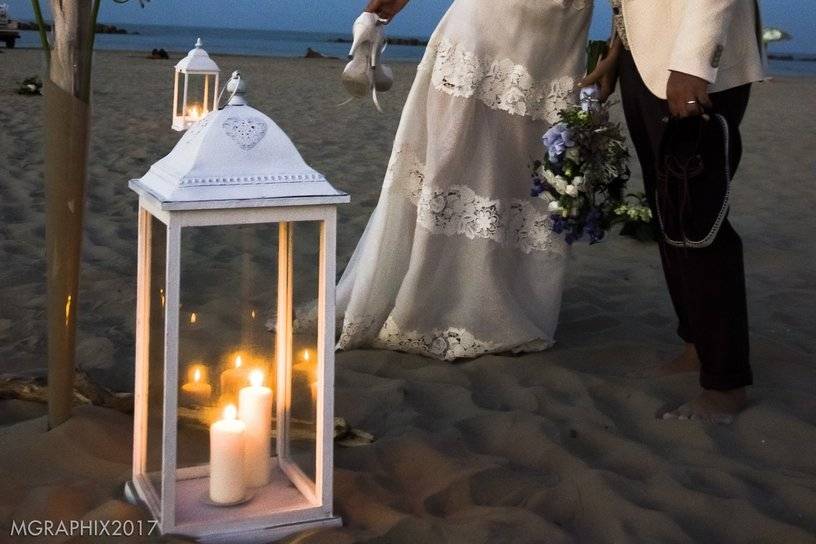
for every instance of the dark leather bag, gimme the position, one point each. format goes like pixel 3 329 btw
pixel 694 180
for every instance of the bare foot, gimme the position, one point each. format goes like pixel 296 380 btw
pixel 711 406
pixel 688 361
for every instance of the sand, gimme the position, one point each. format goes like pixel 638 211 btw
pixel 553 447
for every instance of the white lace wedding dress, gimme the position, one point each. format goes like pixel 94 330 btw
pixel 458 260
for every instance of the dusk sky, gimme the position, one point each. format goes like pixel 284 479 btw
pixel 796 16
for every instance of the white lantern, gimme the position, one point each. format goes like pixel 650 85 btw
pixel 195 89
pixel 210 215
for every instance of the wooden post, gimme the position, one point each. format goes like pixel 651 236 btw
pixel 67 127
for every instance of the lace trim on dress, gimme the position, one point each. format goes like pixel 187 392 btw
pixel 499 84
pixel 459 210
pixel 444 344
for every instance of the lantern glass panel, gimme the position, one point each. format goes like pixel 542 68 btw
pixel 155 355
pixel 228 290
pixel 200 96
pixel 305 387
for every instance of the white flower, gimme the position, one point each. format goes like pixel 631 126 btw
pixel 560 184
pixel 571 190
pixel 578 181
pixel 554 206
pixel 546 197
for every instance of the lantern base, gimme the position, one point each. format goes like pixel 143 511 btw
pixel 296 513
pixel 270 534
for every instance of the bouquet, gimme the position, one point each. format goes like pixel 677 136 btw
pixel 584 174
pixel 636 216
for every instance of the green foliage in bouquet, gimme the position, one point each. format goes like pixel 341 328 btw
pixel 636 216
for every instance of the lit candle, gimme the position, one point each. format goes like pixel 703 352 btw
pixel 227 437
pixel 233 379
pixel 197 391
pixel 194 112
pixel 255 410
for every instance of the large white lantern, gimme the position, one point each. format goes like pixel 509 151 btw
pixel 195 87
pixel 234 417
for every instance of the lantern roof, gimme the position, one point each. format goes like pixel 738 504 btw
pixel 197 60
pixel 235 156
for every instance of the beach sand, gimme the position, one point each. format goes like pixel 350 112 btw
pixel 560 446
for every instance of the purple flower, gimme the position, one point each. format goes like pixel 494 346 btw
pixel 558 223
pixel 590 98
pixel 557 139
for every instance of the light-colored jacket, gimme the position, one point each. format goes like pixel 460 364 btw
pixel 717 40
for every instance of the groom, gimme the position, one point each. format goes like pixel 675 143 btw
pixel 679 59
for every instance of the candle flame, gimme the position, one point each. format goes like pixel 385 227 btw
pixel 256 378
pixel 252 313
pixel 306 355
pixel 197 375
pixel 238 361
pixel 230 412
pixel 193 317
pixel 194 112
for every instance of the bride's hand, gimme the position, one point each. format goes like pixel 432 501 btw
pixel 605 74
pixel 386 9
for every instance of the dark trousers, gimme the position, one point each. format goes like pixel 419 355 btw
pixel 707 285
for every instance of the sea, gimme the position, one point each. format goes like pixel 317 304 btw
pixel 279 43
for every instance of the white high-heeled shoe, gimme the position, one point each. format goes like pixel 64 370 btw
pixel 364 74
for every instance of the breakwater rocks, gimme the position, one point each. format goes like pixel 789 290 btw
pixel 101 28
pixel 415 42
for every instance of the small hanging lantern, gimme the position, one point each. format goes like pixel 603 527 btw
pixel 234 417
pixel 195 91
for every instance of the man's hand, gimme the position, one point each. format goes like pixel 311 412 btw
pixel 386 9
pixel 605 74
pixel 687 95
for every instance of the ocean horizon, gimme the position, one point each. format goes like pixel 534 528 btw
pixel 293 44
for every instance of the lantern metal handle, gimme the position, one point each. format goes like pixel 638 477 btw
pixel 238 84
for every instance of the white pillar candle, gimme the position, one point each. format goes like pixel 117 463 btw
pixel 227 442
pixel 255 410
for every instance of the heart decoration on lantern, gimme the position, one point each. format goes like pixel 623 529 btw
pixel 245 132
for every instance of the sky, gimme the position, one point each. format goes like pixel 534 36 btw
pixel 418 19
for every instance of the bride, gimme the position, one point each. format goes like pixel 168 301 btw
pixel 457 259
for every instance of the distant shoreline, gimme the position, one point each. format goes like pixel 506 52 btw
pixel 263 44
pixel 411 42
pixel 101 28
pixel 791 57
